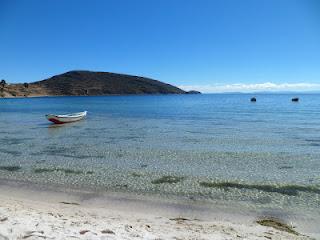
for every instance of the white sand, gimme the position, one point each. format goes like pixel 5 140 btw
pixel 32 215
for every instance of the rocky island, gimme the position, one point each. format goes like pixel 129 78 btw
pixel 88 83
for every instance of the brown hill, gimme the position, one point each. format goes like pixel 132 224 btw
pixel 79 83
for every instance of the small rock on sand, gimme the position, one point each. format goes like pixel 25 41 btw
pixel 84 232
pixel 107 231
pixel 3 219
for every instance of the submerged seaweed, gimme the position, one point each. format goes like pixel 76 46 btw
pixel 65 170
pixel 291 190
pixel 167 179
pixel 277 224
pixel 43 170
pixel 10 168
pixel 71 152
pixel 135 174
pixel 11 152
pixel 285 167
pixel 13 141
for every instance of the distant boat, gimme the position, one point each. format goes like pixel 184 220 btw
pixel 253 99
pixel 296 99
pixel 66 118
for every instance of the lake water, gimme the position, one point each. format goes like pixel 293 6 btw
pixel 214 147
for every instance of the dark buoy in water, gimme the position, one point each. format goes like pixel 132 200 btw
pixel 253 99
pixel 296 99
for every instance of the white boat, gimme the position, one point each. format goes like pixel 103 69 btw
pixel 66 118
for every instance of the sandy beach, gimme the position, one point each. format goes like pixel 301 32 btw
pixel 37 214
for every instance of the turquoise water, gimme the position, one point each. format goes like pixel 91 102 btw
pixel 218 147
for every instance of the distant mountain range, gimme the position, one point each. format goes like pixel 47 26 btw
pixel 87 83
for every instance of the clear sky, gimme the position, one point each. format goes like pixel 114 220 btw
pixel 227 45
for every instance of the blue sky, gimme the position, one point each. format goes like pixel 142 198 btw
pixel 212 46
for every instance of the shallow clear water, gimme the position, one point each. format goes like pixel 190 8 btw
pixel 218 147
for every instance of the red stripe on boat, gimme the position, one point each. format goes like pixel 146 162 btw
pixel 55 121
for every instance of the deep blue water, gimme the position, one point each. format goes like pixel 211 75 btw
pixel 182 145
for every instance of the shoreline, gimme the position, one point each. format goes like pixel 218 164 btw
pixel 71 214
pixel 163 94
pixel 104 95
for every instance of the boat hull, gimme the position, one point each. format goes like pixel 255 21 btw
pixel 62 119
